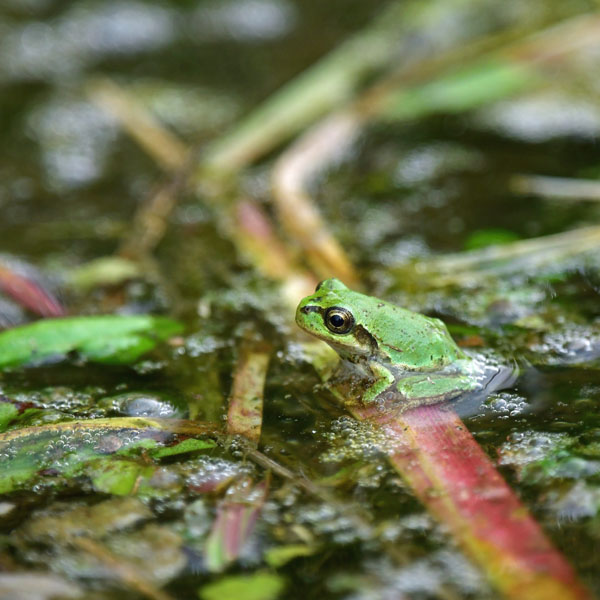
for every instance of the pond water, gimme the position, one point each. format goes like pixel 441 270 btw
pixel 407 192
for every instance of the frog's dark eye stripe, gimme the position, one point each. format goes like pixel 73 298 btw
pixel 338 320
pixel 310 308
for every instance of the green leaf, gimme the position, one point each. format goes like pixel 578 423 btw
pixel 281 555
pixel 189 445
pixel 469 87
pixel 108 270
pixel 113 476
pixel 20 471
pixel 260 586
pixel 103 450
pixel 489 237
pixel 107 338
pixel 8 412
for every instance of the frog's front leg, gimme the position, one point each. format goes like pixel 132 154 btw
pixel 384 378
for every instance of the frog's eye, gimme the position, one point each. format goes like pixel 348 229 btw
pixel 338 320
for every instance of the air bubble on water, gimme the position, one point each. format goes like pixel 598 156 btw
pixel 196 518
pixel 146 367
pixel 435 160
pixel 576 344
pixel 352 440
pixel 526 447
pixel 74 138
pixel 142 404
pixel 580 501
pixel 206 472
pixel 83 35
pixel 243 20
pixel 541 117
pixel 326 520
pixel 198 344
pixel 507 403
pixel 444 569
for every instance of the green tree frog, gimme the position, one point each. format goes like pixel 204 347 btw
pixel 399 351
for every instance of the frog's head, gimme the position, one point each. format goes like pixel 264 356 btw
pixel 330 314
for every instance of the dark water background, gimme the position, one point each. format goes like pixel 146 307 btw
pixel 71 181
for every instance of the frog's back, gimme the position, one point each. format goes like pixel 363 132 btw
pixel 409 339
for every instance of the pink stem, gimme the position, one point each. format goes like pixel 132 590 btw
pixel 457 482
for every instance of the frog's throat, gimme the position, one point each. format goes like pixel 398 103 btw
pixel 365 349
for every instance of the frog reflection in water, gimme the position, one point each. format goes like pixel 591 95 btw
pixel 401 351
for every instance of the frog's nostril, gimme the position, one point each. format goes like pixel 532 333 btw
pixel 308 309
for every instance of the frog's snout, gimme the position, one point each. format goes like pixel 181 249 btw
pixel 303 311
pixel 307 309
pixel 299 313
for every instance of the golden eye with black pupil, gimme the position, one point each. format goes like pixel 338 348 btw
pixel 338 320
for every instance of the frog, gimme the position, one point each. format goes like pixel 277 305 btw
pixel 403 353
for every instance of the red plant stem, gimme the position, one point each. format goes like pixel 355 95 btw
pixel 237 514
pixel 29 293
pixel 244 416
pixel 452 476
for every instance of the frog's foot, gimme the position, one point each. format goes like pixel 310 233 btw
pixel 429 389
pixel 384 378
